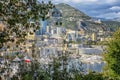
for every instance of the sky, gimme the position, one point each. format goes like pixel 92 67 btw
pixel 108 9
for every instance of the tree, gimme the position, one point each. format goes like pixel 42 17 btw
pixel 112 57
pixel 93 76
pixel 19 17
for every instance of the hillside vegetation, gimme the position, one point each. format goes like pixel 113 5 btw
pixel 72 16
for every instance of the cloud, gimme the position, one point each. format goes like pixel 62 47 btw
pixel 111 15
pixel 87 1
pixel 115 8
pixel 110 1
pixel 82 1
pixel 94 8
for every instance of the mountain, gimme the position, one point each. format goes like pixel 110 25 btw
pixel 102 19
pixel 69 11
pixel 112 25
pixel 74 19
pixel 117 19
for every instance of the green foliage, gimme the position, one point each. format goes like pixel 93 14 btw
pixel 89 76
pixel 69 24
pixel 71 41
pixel 78 76
pixel 71 12
pixel 102 43
pixel 112 25
pixel 27 77
pixel 93 76
pixel 53 72
pixel 21 17
pixel 116 35
pixel 91 42
pixel 112 68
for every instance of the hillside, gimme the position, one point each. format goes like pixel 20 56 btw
pixel 72 16
pixel 112 25
pixel 67 9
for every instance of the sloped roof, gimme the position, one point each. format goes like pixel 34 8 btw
pixel 16 59
pixel 27 57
